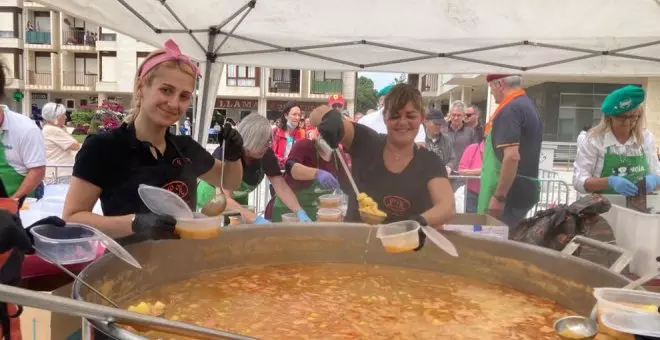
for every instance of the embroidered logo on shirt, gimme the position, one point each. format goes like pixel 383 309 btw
pixel 178 162
pixel 178 187
pixel 396 204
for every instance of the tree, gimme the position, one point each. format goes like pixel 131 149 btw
pixel 366 96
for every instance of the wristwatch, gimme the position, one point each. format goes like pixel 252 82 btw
pixel 500 198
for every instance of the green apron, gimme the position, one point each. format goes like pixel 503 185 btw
pixel 632 168
pixel 206 193
pixel 10 178
pixel 490 176
pixel 308 198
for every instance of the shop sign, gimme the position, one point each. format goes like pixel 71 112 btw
pixel 245 104
pixel 39 96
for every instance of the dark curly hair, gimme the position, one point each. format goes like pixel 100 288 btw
pixel 281 123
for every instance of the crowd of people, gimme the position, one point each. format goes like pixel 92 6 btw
pixel 406 158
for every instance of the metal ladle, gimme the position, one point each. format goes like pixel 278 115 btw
pixel 93 311
pixel 219 203
pixel 585 328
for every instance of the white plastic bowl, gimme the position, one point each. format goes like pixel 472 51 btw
pixel 201 227
pixel 399 237
pixel 328 215
pixel 629 311
pixel 72 244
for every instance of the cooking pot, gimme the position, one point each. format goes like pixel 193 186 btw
pixel 538 271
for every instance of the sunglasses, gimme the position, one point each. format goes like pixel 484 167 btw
pixel 468 115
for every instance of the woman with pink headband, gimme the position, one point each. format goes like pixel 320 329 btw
pixel 112 165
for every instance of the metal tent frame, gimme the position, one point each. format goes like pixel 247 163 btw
pixel 213 51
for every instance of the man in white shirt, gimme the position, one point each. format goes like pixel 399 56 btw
pixel 376 120
pixel 22 156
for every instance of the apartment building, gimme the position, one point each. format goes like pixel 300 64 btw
pixel 51 56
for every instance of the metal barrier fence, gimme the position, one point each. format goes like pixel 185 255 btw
pixel 58 173
pixel 553 191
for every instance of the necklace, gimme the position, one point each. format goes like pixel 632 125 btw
pixel 396 157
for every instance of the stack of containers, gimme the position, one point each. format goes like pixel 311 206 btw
pixel 330 208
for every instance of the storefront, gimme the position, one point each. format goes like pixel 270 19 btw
pixel 567 108
pixel 235 109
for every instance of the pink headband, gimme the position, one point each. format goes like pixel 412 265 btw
pixel 172 52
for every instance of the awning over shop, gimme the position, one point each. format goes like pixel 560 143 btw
pixel 588 37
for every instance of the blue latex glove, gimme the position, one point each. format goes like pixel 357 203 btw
pixel 652 182
pixel 622 186
pixel 326 179
pixel 302 216
pixel 261 220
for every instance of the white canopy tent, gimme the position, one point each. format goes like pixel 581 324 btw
pixel 586 37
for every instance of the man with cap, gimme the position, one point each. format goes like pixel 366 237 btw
pixel 440 143
pixel 509 177
pixel 619 151
pixel 376 120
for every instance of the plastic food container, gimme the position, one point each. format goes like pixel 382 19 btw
pixel 636 231
pixel 72 244
pixel 629 311
pixel 328 215
pixel 199 228
pixel 290 218
pixel 235 220
pixel 330 201
pixel 399 237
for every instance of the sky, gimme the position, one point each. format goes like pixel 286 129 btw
pixel 380 79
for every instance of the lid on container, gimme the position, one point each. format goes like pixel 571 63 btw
pixel 75 233
pixel 164 202
pixel 328 212
pixel 644 324
pixel 70 233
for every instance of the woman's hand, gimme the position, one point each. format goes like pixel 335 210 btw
pixel 302 216
pixel 233 142
pixel 331 128
pixel 326 179
pixel 622 185
pixel 652 182
pixel 154 227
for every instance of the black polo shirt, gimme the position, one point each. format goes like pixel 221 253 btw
pixel 110 160
pixel 519 123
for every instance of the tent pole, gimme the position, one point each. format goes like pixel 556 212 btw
pixel 200 126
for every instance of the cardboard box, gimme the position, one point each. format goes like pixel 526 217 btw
pixel 39 324
pixel 478 223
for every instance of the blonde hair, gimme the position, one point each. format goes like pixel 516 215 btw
pixel 148 78
pixel 605 125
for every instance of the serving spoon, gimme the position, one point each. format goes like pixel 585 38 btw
pixel 219 203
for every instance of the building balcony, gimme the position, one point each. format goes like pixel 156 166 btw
pixel 9 39
pixel 107 86
pixel 78 40
pixel 38 38
pixel 107 42
pixel 78 81
pixel 40 80
pixel 429 84
pixel 14 83
pixel 283 89
pixel 326 87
